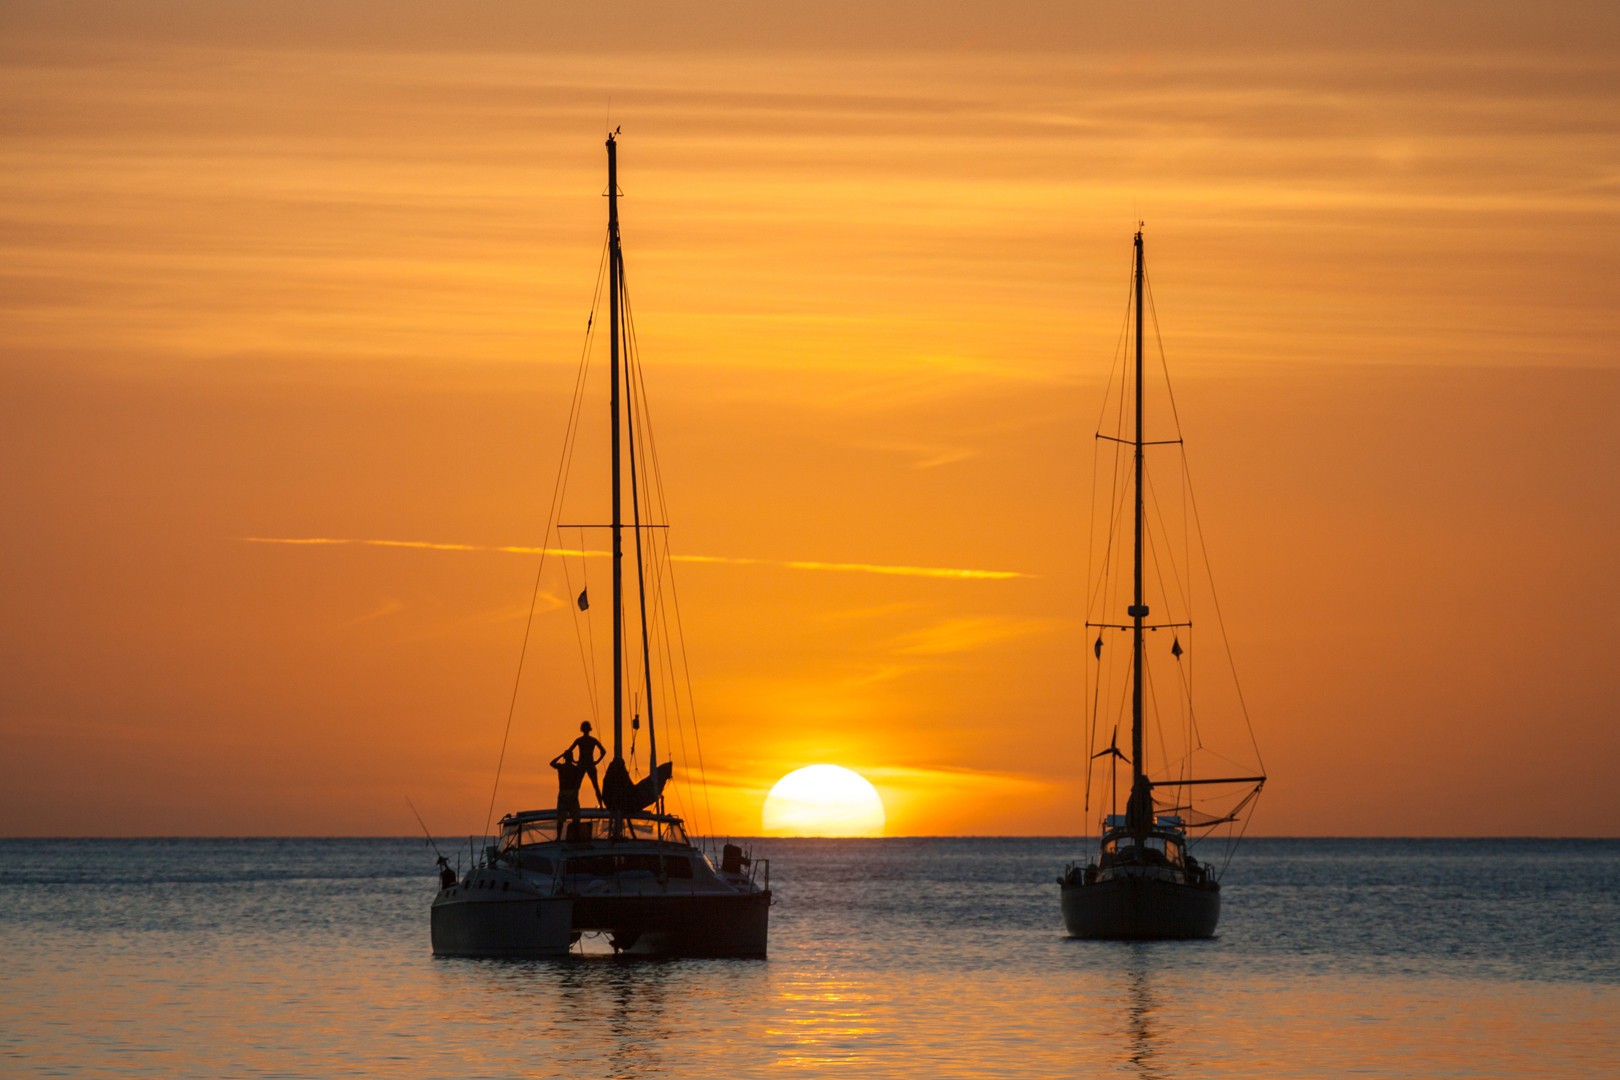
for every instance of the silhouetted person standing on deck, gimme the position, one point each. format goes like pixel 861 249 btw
pixel 569 774
pixel 587 752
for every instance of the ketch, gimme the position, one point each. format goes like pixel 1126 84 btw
pixel 1146 881
pixel 625 868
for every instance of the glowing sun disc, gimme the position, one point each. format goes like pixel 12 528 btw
pixel 823 800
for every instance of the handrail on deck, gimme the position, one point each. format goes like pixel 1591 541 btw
pixel 595 813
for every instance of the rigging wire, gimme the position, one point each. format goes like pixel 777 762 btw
pixel 1192 498
pixel 1094 690
pixel 1221 623
pixel 1105 580
pixel 1158 570
pixel 1099 602
pixel 1195 738
pixel 635 395
pixel 666 572
pixel 657 487
pixel 1158 563
pixel 587 654
pixel 652 567
pixel 557 490
pixel 641 539
pixel 587 662
pixel 1158 718
pixel 1239 825
pixel 1170 394
pixel 662 568
pixel 1187 595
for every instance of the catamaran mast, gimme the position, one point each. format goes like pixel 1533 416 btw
pixel 615 274
pixel 1138 609
pixel 641 578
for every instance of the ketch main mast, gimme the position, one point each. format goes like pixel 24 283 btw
pixel 1138 610
pixel 615 282
pixel 1145 882
pixel 1139 815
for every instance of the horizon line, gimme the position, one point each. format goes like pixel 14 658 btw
pixel 744 836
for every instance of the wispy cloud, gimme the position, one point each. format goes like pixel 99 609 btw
pixel 928 455
pixel 966 635
pixel 420 544
pixel 859 568
pixel 392 607
pixel 958 779
pixel 789 564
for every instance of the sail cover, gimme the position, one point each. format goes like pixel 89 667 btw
pixel 624 797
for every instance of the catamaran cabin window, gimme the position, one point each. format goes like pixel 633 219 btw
pixel 537 863
pixel 524 835
pixel 648 864
pixel 594 865
pixel 637 862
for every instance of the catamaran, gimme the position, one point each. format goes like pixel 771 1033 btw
pixel 626 869
pixel 1146 881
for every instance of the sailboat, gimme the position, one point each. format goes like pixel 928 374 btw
pixel 1146 882
pixel 626 868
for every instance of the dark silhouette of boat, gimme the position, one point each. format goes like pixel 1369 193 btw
pixel 627 868
pixel 1146 881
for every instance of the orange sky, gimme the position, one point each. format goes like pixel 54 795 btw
pixel 271 271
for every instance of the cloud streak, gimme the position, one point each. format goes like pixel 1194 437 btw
pixel 786 564
pixel 969 635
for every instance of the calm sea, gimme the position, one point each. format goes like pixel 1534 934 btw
pixel 914 958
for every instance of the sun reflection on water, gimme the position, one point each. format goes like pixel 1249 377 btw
pixel 1141 1005
pixel 823 1022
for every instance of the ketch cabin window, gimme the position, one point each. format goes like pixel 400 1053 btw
pixel 1126 846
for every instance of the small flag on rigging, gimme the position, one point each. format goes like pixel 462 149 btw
pixel 584 603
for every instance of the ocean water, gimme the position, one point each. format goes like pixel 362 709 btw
pixel 914 958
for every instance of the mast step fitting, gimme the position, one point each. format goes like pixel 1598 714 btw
pixel 1137 611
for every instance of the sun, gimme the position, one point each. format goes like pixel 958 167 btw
pixel 823 800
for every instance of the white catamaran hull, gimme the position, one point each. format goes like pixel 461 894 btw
pixel 466 923
pixel 1126 908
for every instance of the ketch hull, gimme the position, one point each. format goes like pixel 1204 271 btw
pixel 1140 908
pixel 529 926
pixel 694 925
